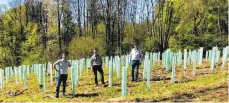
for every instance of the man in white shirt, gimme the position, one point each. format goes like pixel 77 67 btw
pixel 136 60
pixel 63 73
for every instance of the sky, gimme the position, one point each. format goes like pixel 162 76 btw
pixel 4 5
pixel 3 1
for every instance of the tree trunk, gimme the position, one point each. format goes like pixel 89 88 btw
pixel 59 32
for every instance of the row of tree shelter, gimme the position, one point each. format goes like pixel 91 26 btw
pixel 118 65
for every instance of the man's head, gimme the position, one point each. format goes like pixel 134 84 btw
pixel 136 43
pixel 95 51
pixel 65 55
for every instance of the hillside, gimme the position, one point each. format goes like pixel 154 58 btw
pixel 206 86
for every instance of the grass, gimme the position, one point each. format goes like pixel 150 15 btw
pixel 205 86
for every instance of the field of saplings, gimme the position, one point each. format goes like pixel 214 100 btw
pixel 184 76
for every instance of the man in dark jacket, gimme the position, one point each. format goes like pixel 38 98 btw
pixel 96 65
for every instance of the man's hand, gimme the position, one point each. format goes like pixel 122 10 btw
pixel 53 66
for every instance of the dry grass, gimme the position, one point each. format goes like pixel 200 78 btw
pixel 206 85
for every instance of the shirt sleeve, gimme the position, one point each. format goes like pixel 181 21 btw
pixel 130 55
pixel 69 64
pixel 141 56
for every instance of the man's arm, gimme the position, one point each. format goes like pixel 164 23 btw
pixel 54 64
pixel 101 60
pixel 69 64
pixel 130 55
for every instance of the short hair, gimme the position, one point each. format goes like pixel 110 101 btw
pixel 136 41
pixel 96 49
pixel 65 53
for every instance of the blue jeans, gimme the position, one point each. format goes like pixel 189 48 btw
pixel 61 78
pixel 135 67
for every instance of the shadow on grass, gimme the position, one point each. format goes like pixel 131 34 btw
pixel 85 95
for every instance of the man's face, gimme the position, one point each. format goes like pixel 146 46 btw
pixel 63 56
pixel 135 46
pixel 95 51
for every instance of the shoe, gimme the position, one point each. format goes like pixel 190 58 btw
pixel 96 85
pixel 57 96
pixel 64 94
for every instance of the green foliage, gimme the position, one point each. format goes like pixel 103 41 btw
pixel 194 24
pixel 189 41
pixel 148 44
pixel 198 25
pixel 31 48
pixel 83 47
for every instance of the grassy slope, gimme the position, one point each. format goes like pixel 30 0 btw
pixel 205 86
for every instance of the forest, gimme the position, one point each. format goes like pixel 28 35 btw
pixel 38 31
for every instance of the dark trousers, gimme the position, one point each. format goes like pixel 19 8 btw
pixel 61 78
pixel 95 69
pixel 135 67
